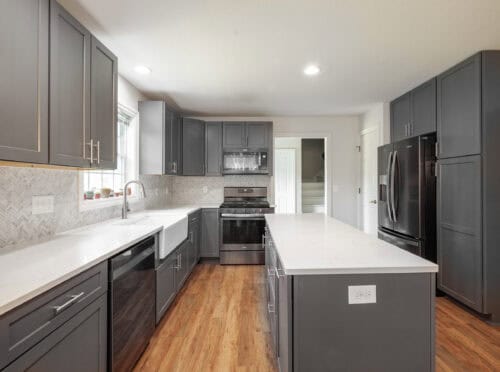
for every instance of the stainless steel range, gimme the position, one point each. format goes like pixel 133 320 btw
pixel 242 225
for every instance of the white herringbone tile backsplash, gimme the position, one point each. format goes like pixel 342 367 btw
pixel 18 226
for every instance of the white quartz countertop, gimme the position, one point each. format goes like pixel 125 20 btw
pixel 316 244
pixel 27 272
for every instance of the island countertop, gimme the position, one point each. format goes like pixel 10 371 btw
pixel 310 244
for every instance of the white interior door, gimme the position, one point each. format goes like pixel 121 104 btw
pixel 285 181
pixel 369 143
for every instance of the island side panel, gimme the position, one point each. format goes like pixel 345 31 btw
pixel 394 334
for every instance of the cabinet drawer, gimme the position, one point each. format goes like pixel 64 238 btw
pixel 26 325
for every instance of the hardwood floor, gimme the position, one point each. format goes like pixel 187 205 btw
pixel 218 323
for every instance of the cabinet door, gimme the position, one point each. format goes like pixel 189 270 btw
pixel 168 142
pixel 400 118
pixel 151 137
pixel 166 288
pixel 182 265
pixel 284 312
pixel 176 145
pixel 24 84
pixel 210 233
pixel 213 149
pixel 81 343
pixel 69 90
pixel 459 109
pixel 423 109
pixel 256 135
pixel 233 134
pixel 103 93
pixel 193 147
pixel 459 229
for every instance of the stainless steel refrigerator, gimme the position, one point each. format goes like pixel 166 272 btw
pixel 407 195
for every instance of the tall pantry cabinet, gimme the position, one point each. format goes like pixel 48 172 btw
pixel 468 131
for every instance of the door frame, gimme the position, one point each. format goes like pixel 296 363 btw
pixel 371 128
pixel 328 174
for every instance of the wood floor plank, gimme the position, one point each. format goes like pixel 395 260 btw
pixel 219 323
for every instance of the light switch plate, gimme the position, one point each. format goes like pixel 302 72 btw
pixel 362 294
pixel 42 204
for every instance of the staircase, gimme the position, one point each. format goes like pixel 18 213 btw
pixel 313 197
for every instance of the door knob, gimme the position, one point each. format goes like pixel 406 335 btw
pixel 373 201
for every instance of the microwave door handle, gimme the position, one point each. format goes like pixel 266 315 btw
pixel 393 191
pixel 388 188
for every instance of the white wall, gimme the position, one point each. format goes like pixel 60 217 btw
pixel 296 144
pixel 379 116
pixel 342 158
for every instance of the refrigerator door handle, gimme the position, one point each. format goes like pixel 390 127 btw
pixel 388 188
pixel 392 182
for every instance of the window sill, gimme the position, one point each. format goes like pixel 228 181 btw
pixel 87 205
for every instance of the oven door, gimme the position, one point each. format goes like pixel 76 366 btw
pixel 242 232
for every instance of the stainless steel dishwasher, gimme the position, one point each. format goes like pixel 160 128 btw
pixel 132 300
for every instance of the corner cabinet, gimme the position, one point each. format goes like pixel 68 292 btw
pixel 24 92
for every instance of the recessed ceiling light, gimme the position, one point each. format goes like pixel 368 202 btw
pixel 142 70
pixel 311 70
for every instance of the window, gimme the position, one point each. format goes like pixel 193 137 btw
pixel 105 187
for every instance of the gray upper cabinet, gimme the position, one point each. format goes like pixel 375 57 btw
pixel 193 147
pixel 24 87
pixel 70 53
pixel 459 109
pixel 423 109
pixel 257 134
pixel 414 113
pixel 400 118
pixel 210 233
pixel 159 139
pixel 152 152
pixel 234 135
pixel 459 229
pixel 213 149
pixel 103 93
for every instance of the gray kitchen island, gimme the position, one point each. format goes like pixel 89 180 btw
pixel 343 300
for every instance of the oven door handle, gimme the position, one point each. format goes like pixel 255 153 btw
pixel 242 215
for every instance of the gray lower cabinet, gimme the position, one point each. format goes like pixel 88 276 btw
pixel 183 268
pixel 194 237
pixel 103 108
pixel 213 148
pixel 80 343
pixel 24 88
pixel 70 61
pixel 459 229
pixel 314 328
pixel 193 147
pixel 63 326
pixel 166 286
pixel 210 233
pixel 459 109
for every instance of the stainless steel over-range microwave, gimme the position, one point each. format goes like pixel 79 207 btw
pixel 245 162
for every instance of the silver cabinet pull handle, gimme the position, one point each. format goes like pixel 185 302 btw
pixel 73 299
pixel 270 308
pixel 91 145
pixel 280 273
pixel 98 152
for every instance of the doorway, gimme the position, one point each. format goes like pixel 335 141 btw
pixel 299 177
pixel 368 190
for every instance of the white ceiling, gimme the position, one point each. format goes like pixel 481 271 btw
pixel 245 57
